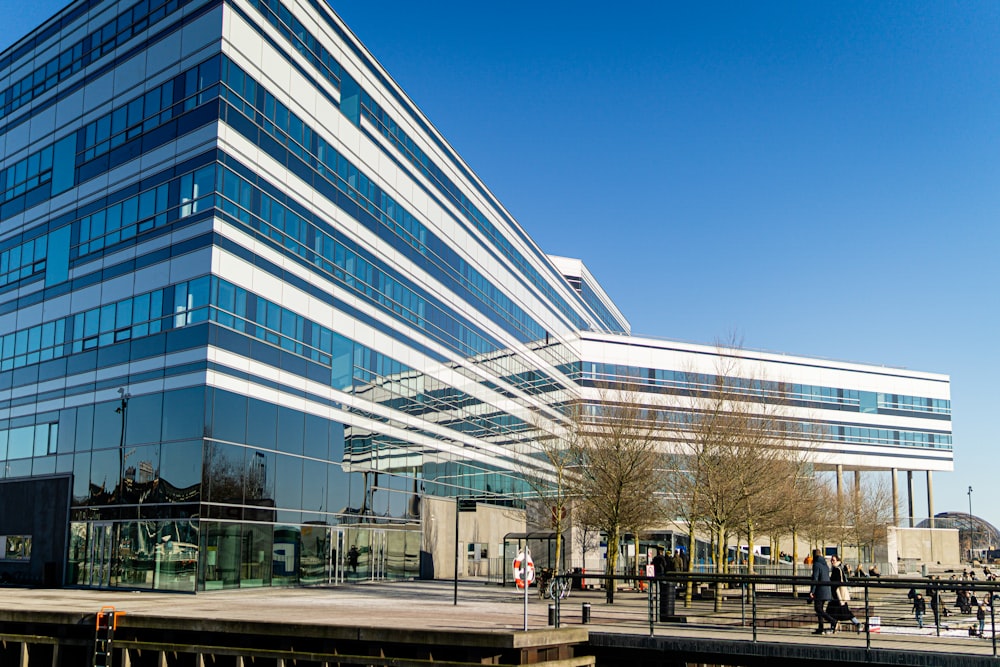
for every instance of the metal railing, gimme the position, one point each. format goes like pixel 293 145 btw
pixel 772 606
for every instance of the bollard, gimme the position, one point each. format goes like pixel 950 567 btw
pixel 586 613
pixel 552 614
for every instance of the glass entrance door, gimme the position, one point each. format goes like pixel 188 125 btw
pixel 379 554
pixel 99 551
pixel 337 558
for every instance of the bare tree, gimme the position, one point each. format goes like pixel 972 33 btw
pixel 737 442
pixel 620 471
pixel 588 533
pixel 806 506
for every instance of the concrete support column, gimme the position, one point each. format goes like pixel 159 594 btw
pixel 840 507
pixel 895 497
pixel 930 499
pixel 840 493
pixel 909 495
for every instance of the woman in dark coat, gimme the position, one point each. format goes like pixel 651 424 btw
pixel 838 607
pixel 820 592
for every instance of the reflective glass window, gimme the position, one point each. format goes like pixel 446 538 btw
pixel 230 417
pixel 262 427
pixel 183 414
pixel 222 473
pixel 288 482
pixel 291 430
pixel 180 469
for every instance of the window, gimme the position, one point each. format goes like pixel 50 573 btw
pixel 15 547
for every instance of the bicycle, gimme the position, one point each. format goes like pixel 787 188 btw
pixel 559 587
pixel 543 578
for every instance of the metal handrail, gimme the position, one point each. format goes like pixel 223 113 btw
pixel 748 587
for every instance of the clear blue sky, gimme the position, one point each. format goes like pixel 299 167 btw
pixel 821 177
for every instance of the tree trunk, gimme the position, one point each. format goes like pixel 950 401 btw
pixel 689 589
pixel 721 559
pixel 611 566
pixel 750 554
pixel 795 560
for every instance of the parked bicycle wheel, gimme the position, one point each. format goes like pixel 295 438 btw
pixel 560 588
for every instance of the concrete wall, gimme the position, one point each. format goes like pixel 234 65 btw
pixel 910 548
pixel 486 525
pixel 39 508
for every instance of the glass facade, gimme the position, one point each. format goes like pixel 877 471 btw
pixel 258 330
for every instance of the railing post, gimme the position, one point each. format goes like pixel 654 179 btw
pixel 556 599
pixel 993 624
pixel 753 607
pixel 743 603
pixel 652 603
pixel 868 624
pixel 940 606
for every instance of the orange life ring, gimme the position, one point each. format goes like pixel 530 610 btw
pixel 529 570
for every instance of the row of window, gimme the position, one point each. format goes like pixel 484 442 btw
pixel 108 226
pixel 23 261
pixel 123 221
pixel 51 164
pixel 71 60
pixel 26 174
pixel 26 441
pixel 280 219
pixel 356 367
pixel 914 403
pixel 148 313
pixel 881 436
pixel 679 420
pixel 267 550
pixel 149 209
pixel 346 263
pixel 306 44
pixel 149 110
pixel 284 126
pixel 603 313
pixel 783 391
pixel 419 159
pixel 124 132
pixel 262 452
pixel 353 365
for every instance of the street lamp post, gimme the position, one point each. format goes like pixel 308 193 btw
pixel 971 526
pixel 120 494
pixel 123 411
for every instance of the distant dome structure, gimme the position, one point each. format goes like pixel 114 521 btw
pixel 973 531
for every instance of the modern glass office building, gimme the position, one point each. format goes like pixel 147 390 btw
pixel 261 325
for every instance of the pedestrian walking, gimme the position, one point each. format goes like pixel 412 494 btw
pixel 838 607
pixel 820 592
pixel 919 609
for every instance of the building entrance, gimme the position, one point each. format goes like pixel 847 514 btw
pixel 379 554
pixel 337 557
pixel 100 549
